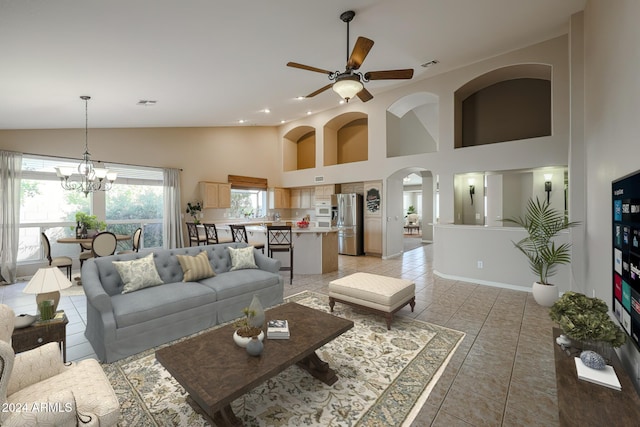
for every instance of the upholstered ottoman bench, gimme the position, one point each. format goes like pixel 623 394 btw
pixel 371 292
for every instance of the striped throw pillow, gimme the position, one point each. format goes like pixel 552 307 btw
pixel 195 267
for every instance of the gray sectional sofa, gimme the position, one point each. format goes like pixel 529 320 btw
pixel 119 325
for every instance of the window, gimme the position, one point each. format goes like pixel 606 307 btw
pixel 248 203
pixel 136 200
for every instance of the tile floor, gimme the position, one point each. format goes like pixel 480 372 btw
pixel 502 374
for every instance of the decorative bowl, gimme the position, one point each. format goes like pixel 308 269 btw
pixel 23 320
pixel 302 224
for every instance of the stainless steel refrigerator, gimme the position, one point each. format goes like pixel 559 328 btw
pixel 350 224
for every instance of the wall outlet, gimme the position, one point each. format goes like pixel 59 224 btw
pixel 480 264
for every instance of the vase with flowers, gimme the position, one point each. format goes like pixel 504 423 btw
pixel 194 210
pixel 246 329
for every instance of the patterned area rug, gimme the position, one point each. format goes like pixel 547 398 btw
pixel 384 379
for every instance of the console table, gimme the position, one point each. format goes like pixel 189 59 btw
pixel 582 403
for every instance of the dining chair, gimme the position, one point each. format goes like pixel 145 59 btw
pixel 194 234
pixel 59 261
pixel 280 239
pixel 135 242
pixel 104 244
pixel 85 253
pixel 239 234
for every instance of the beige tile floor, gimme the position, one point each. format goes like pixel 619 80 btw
pixel 501 375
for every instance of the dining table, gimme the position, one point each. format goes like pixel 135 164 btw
pixel 89 240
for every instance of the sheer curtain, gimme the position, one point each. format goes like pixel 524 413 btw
pixel 172 225
pixel 10 175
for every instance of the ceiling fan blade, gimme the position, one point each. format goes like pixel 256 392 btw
pixel 359 53
pixel 322 89
pixel 389 74
pixel 308 68
pixel 364 95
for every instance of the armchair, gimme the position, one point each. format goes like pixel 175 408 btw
pixel 37 388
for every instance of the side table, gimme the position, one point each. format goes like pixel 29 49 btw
pixel 40 333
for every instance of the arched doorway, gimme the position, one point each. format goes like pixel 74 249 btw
pixel 396 213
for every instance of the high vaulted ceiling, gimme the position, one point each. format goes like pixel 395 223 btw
pixel 215 62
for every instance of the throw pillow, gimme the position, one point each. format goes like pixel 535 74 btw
pixel 138 273
pixel 195 267
pixel 242 258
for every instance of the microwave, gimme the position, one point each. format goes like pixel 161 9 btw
pixel 323 211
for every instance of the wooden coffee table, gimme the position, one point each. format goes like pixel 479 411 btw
pixel 215 371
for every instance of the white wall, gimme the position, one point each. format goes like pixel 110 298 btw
pixel 461 247
pixel 611 132
pixel 203 154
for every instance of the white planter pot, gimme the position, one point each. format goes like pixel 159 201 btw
pixel 243 341
pixel 545 295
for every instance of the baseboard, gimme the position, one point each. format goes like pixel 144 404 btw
pixel 482 282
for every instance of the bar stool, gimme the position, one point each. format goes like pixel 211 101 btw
pixel 280 239
pixel 211 233
pixel 194 235
pixel 239 234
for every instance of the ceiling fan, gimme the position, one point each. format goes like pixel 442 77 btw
pixel 349 83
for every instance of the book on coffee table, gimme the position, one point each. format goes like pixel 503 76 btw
pixel 277 329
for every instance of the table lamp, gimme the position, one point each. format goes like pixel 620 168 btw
pixel 46 284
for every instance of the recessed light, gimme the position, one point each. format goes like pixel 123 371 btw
pixel 283 121
pixel 430 63
pixel 266 111
pixel 308 113
pixel 341 102
pixel 241 121
pixel 300 98
pixel 147 102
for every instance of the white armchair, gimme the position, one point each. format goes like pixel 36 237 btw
pixel 37 388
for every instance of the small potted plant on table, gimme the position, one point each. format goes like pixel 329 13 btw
pixel 246 328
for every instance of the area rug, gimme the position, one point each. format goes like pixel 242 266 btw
pixel 384 379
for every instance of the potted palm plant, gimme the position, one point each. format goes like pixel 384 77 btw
pixel 542 223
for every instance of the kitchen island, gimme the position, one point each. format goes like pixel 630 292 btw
pixel 315 248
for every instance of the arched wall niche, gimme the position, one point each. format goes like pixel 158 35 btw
pixel 299 149
pixel 346 139
pixel 412 125
pixel 506 104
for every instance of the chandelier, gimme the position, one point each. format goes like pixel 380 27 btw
pixel 86 178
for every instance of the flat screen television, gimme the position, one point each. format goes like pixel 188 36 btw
pixel 626 253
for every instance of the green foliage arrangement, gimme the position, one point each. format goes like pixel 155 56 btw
pixel 543 223
pixel 411 210
pixel 193 209
pixel 90 222
pixel 586 319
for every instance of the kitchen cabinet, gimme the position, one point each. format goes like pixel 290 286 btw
pixel 300 198
pixel 279 198
pixel 324 192
pixel 352 187
pixel 373 217
pixel 215 194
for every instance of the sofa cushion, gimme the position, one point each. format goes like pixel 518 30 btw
pixel 196 267
pixel 138 274
pixel 152 303
pixel 239 282
pixel 242 258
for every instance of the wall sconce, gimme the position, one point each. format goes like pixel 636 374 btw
pixel 547 184
pixel 472 188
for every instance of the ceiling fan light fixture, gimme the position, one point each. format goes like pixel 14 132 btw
pixel 347 87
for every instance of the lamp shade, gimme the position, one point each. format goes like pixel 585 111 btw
pixel 48 279
pixel 347 87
